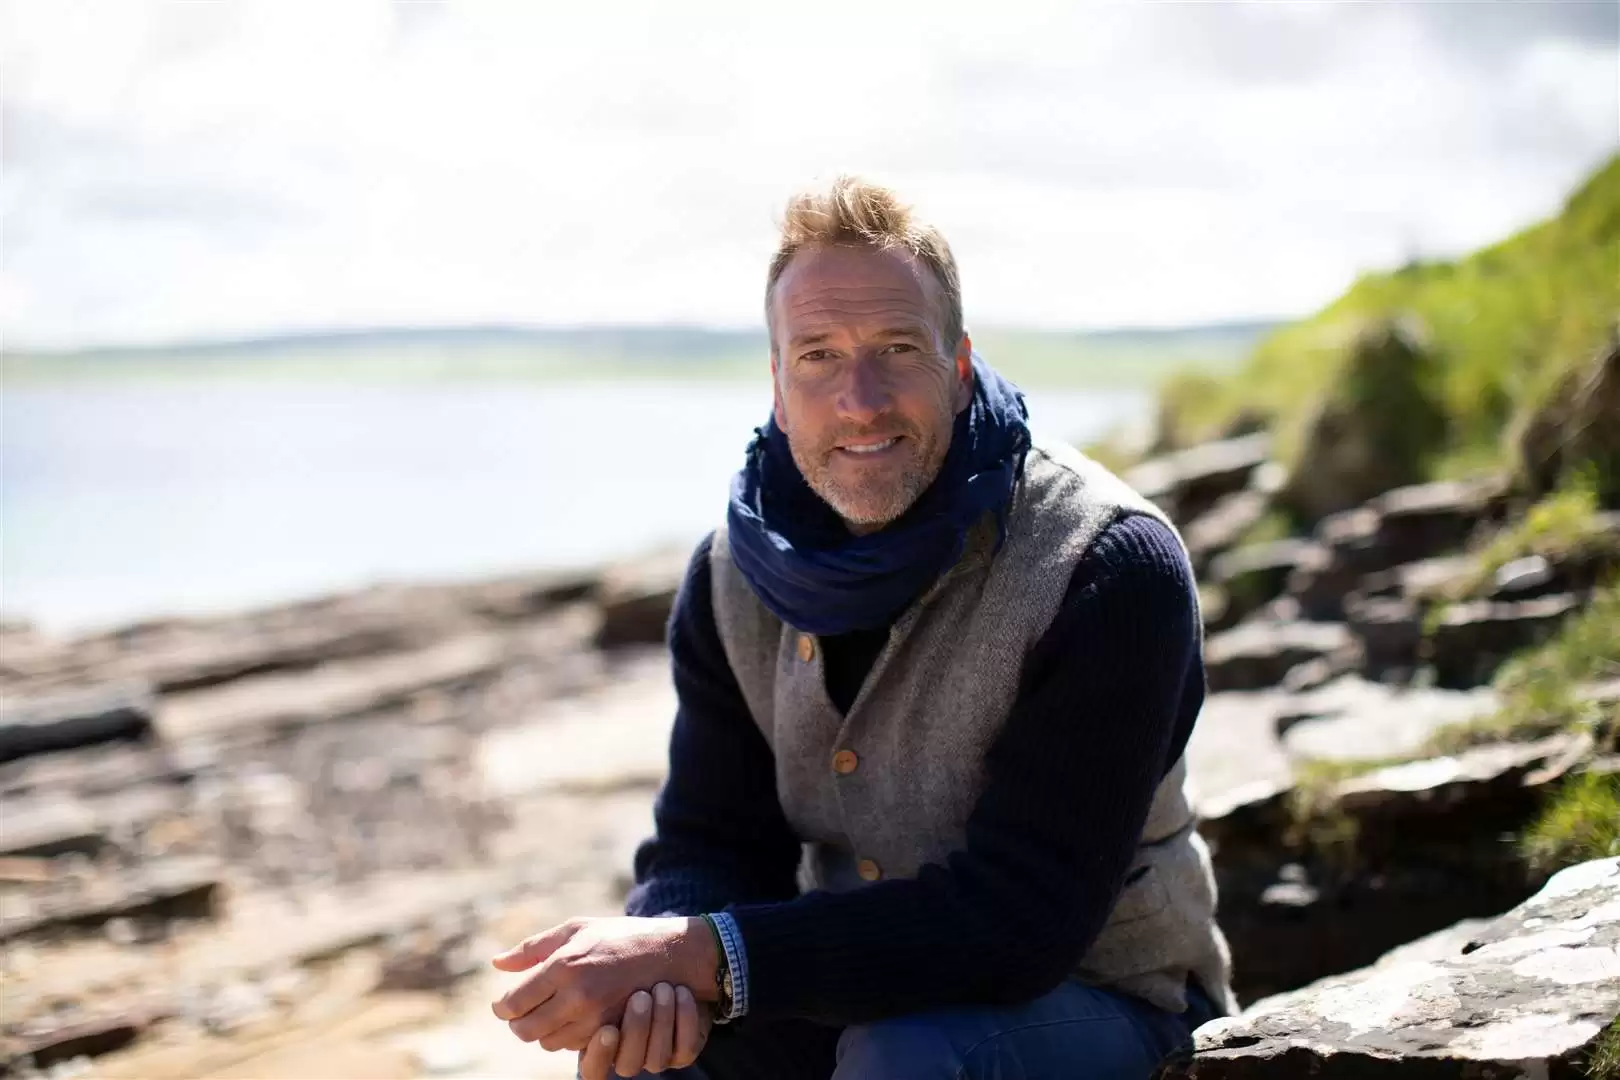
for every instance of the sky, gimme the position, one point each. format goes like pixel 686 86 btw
pixel 211 168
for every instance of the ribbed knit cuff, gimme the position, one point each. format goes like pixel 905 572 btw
pixel 736 960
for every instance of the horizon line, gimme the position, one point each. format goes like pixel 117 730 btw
pixel 357 334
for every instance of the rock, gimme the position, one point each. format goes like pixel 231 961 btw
pixel 1522 577
pixel 1377 426
pixel 1380 859
pixel 50 827
pixel 1285 934
pixel 284 701
pixel 1314 674
pixel 1576 430
pixel 231 1007
pixel 429 960
pixel 1389 631
pixel 174 889
pixel 1418 580
pixel 1471 640
pixel 1351 719
pixel 191 654
pixel 1456 794
pixel 636 600
pixel 25 869
pixel 1320 581
pixel 1238 773
pixel 1257 655
pixel 1403 527
pixel 57 1044
pixel 1188 483
pixel 1424 520
pixel 1527 997
pixel 1215 609
pixel 1223 525
pixel 1580 570
pixel 67 721
pixel 1257 574
pixel 1346 549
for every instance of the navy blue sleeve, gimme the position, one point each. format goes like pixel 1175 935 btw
pixel 1106 702
pixel 720 834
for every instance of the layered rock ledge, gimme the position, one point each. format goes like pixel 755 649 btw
pixel 1527 995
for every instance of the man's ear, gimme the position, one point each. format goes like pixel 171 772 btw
pixel 964 372
pixel 776 394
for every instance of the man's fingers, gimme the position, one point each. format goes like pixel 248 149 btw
pixel 558 1023
pixel 596 1060
pixel 524 998
pixel 531 950
pixel 633 1033
pixel 573 1036
pixel 689 1031
pixel 661 1036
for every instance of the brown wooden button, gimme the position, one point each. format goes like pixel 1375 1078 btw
pixel 845 762
pixel 869 870
pixel 807 648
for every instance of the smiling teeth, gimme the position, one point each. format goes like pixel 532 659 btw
pixel 874 448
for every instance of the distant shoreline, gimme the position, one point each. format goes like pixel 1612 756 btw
pixel 1113 358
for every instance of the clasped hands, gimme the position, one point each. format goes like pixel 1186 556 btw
pixel 629 993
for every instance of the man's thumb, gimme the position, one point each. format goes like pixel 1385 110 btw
pixel 532 950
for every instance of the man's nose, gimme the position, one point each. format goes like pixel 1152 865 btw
pixel 863 395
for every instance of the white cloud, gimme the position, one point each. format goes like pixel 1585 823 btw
pixel 181 169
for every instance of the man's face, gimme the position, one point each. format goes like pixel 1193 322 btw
pixel 866 389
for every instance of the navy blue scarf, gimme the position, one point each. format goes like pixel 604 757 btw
pixel 816 576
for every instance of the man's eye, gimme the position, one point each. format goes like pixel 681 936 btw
pixel 900 346
pixel 816 354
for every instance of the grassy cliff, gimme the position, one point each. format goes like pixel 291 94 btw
pixel 1498 329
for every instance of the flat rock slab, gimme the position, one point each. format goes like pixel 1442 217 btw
pixel 1526 997
pixel 1224 525
pixel 1352 719
pixel 1473 639
pixel 1258 654
pixel 178 889
pixel 615 736
pixel 1189 482
pixel 635 599
pixel 1234 758
pixel 334 691
pixel 67 721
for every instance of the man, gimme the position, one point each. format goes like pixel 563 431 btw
pixel 924 815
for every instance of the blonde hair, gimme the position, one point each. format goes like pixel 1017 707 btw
pixel 857 212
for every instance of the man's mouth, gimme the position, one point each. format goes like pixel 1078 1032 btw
pixel 871 447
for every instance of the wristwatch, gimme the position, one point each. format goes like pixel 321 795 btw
pixel 722 982
pixel 724 1007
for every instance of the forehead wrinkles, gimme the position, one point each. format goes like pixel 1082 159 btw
pixel 836 303
pixel 809 293
pixel 857 303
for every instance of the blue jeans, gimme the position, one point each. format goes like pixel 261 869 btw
pixel 1076 1032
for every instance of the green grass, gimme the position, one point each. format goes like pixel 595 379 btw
pixel 1580 823
pixel 1564 525
pixel 1603 1062
pixel 1503 326
pixel 1538 687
